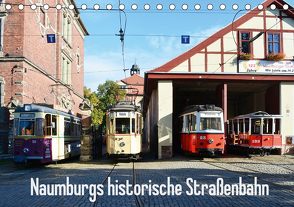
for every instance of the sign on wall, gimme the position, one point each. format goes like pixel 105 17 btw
pixel 264 66
pixel 185 39
pixel 50 38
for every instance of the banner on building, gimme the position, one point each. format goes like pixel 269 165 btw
pixel 264 66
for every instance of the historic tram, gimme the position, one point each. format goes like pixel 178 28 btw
pixel 255 131
pixel 202 130
pixel 43 134
pixel 124 128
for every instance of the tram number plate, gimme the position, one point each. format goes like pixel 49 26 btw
pixel 255 141
pixel 202 137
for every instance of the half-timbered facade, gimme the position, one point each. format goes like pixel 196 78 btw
pixel 235 69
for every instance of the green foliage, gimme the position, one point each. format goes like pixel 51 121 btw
pixel 106 95
pixel 95 117
pixel 102 99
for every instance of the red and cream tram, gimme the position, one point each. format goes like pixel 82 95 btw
pixel 256 131
pixel 202 129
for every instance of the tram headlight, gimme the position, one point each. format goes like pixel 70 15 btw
pixel 122 144
pixel 210 141
pixel 25 150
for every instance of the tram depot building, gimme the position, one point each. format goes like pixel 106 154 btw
pixel 34 70
pixel 217 71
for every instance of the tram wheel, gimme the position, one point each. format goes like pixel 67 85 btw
pixel 262 153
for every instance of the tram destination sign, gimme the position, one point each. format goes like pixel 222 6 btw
pixel 264 66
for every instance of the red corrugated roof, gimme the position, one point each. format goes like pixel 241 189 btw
pixel 134 80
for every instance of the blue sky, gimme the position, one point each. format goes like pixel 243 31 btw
pixel 152 37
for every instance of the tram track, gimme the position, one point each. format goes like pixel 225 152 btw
pixel 138 200
pixel 102 183
pixel 250 176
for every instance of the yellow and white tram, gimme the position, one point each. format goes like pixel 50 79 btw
pixel 44 134
pixel 124 130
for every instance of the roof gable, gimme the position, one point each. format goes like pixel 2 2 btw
pixel 185 57
pixel 134 80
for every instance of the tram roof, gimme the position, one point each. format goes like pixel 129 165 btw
pixel 194 108
pixel 121 106
pixel 38 108
pixel 258 114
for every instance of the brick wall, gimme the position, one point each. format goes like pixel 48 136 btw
pixel 30 66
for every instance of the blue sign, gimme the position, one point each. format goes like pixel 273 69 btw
pixel 185 39
pixel 50 38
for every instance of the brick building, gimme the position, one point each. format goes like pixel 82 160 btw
pixel 34 71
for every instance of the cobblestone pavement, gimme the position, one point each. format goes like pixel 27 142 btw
pixel 274 171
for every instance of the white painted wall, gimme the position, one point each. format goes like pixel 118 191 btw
pixel 288 24
pixel 258 46
pixel 229 43
pixel 198 63
pixel 231 65
pixel 286 103
pixel 213 61
pixel 255 22
pixel 165 111
pixel 215 46
pixel 288 42
pixel 183 67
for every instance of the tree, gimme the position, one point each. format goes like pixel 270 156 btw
pixel 106 95
pixel 95 117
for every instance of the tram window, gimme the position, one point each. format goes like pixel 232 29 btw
pixel 210 123
pixel 39 127
pixel 111 126
pixel 138 124
pixel 194 123
pixel 16 127
pixel 241 126
pixel 66 126
pixel 54 125
pixel 267 126
pixel 255 126
pixel 277 126
pixel 72 127
pixel 187 123
pixel 133 126
pixel 236 126
pixel 247 125
pixel 181 124
pixel 26 126
pixel 230 127
pixel 48 125
pixel 122 125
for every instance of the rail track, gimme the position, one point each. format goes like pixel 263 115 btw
pixel 138 201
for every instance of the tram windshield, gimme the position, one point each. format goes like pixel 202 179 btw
pixel 26 127
pixel 210 123
pixel 122 125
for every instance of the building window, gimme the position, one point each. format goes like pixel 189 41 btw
pixel 1 48
pixel 66 32
pixel 245 37
pixel 66 71
pixel 273 43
